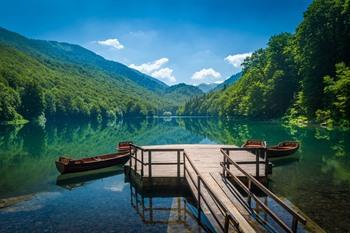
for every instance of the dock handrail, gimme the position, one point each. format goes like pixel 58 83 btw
pixel 228 217
pixel 134 156
pixel 260 155
pixel 296 216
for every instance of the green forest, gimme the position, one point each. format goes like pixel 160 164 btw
pixel 46 80
pixel 302 77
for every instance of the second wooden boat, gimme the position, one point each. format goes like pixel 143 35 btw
pixel 254 143
pixel 282 149
pixel 126 145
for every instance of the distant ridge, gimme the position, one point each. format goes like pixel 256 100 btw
pixel 206 87
pixel 228 82
pixel 75 54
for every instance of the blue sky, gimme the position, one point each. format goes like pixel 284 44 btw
pixel 175 41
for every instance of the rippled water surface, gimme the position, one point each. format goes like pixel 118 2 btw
pixel 316 179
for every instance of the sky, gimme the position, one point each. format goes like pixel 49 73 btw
pixel 190 41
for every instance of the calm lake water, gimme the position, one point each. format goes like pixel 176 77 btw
pixel 316 179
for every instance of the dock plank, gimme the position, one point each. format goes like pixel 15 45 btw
pixel 206 159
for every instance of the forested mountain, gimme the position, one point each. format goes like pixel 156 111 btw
pixel 77 55
pixel 206 87
pixel 181 92
pixel 302 76
pixel 60 80
pixel 228 82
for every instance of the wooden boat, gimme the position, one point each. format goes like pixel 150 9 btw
pixel 254 143
pixel 124 145
pixel 282 149
pixel 68 165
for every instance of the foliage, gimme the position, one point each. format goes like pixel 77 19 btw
pixel 61 80
pixel 30 86
pixel 337 92
pixel 9 102
pixel 295 76
pixel 265 90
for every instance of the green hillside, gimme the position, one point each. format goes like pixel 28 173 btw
pixel 181 92
pixel 30 86
pixel 76 55
pixel 59 80
pixel 228 82
pixel 207 87
pixel 303 76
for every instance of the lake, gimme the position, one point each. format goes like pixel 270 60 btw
pixel 316 179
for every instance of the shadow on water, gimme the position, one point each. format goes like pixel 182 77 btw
pixel 74 180
pixel 316 178
pixel 284 161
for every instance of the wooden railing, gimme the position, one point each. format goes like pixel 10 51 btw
pixel 136 159
pixel 260 158
pixel 200 184
pixel 227 173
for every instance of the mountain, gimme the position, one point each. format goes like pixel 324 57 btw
pixel 206 87
pixel 182 92
pixel 77 55
pixel 59 80
pixel 228 82
pixel 302 77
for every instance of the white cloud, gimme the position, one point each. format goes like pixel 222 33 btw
pixel 237 59
pixel 149 67
pixel 165 74
pixel 114 43
pixel 219 82
pixel 204 73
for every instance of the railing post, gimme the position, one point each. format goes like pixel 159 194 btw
pixel 294 224
pixel 142 163
pixel 131 156
pixel 199 197
pixel 135 160
pixel 178 164
pixel 257 155
pixel 266 163
pixel 228 163
pixel 150 164
pixel 224 165
pixel 183 153
pixel 249 194
pixel 226 226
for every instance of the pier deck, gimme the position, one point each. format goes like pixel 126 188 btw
pixel 207 159
pixel 216 175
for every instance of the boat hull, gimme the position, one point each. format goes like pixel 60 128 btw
pixel 86 166
pixel 282 150
pixel 272 153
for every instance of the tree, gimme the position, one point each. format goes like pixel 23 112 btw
pixel 337 91
pixel 32 102
pixel 9 102
pixel 322 41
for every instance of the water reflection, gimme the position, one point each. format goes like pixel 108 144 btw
pixel 178 214
pixel 315 178
pixel 74 180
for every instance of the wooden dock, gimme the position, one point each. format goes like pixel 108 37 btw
pixel 222 178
